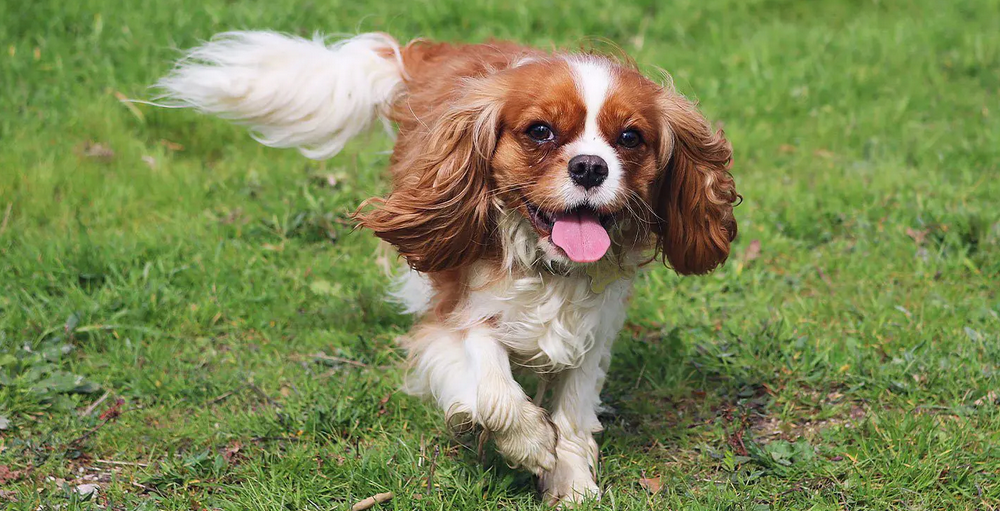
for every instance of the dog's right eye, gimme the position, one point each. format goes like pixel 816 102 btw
pixel 541 133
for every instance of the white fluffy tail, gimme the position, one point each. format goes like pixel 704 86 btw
pixel 290 91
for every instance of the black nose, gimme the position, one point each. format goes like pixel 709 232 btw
pixel 588 170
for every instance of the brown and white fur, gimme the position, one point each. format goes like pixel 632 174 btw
pixel 486 165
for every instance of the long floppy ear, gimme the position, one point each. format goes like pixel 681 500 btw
pixel 697 193
pixel 439 215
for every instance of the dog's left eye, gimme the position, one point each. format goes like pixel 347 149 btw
pixel 629 139
pixel 541 133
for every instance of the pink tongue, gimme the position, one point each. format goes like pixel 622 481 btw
pixel 581 236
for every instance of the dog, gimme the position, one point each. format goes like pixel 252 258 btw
pixel 528 187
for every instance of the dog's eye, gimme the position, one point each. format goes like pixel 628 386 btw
pixel 541 133
pixel 629 139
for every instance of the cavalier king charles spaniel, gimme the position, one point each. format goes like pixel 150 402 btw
pixel 527 188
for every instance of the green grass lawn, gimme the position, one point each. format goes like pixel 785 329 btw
pixel 213 292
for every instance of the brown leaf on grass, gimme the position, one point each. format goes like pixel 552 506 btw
pixel 8 495
pixel 991 398
pixel 917 236
pixel 98 151
pixel 7 475
pixel 736 441
pixel 752 252
pixel 823 153
pixel 786 148
pixel 651 484
pixel 382 402
pixel 232 451
pixel 171 146
pixel 87 489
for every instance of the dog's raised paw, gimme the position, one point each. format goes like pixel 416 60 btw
pixel 530 442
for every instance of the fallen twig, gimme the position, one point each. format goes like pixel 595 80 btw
pixel 331 358
pixel 263 395
pixel 90 409
pixel 368 503
pixel 112 413
pixel 122 463
pixel 275 439
pixel 430 473
pixel 225 395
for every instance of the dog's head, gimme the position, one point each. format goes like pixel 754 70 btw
pixel 566 160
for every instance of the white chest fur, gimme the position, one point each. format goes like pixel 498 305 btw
pixel 548 322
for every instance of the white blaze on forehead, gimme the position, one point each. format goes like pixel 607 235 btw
pixel 593 78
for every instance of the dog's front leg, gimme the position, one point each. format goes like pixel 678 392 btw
pixel 576 399
pixel 468 373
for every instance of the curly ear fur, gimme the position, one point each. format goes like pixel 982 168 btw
pixel 439 215
pixel 697 192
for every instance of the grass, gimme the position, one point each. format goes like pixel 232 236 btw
pixel 846 357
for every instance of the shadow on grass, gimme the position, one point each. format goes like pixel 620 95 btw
pixel 663 390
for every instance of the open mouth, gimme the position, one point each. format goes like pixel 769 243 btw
pixel 581 232
pixel 545 220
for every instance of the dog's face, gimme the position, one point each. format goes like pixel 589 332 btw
pixel 577 155
pixel 593 159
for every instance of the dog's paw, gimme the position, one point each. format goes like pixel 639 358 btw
pixel 573 480
pixel 566 486
pixel 530 441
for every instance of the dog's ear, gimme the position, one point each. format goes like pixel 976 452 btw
pixel 696 191
pixel 440 213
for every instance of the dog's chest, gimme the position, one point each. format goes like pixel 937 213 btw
pixel 549 323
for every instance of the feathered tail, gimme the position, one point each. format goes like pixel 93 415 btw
pixel 290 91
